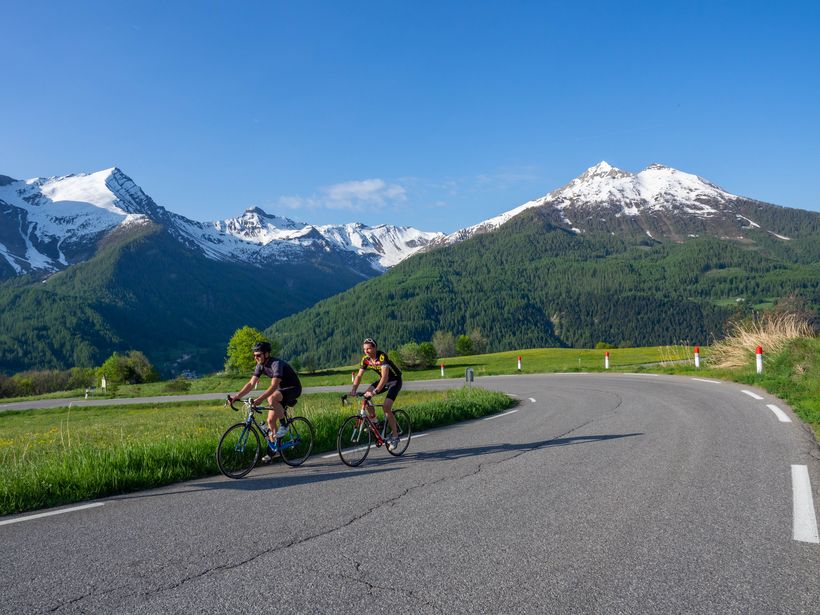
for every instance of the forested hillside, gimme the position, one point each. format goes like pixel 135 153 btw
pixel 144 291
pixel 531 284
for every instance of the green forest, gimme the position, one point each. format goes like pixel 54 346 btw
pixel 531 284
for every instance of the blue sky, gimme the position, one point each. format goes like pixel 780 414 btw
pixel 430 114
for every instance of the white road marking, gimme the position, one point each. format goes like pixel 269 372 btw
pixel 705 380
pixel 805 524
pixel 781 416
pixel 498 416
pixel 532 399
pixel 752 395
pixel 51 513
pixel 361 448
pixel 640 374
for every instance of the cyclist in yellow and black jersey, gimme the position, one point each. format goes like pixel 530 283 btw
pixel 389 380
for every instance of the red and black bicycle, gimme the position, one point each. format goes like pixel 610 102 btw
pixel 359 432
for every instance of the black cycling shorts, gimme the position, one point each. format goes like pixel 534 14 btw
pixel 392 387
pixel 289 394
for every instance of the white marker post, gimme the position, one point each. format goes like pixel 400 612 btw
pixel 352 376
pixel 697 356
pixel 519 363
pixel 606 360
pixel 759 359
pixel 442 370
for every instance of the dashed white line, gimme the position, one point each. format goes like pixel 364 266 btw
pixel 781 416
pixel 705 380
pixel 752 395
pixel 361 448
pixel 532 399
pixel 498 416
pixel 804 523
pixel 51 513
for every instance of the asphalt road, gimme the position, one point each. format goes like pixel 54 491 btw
pixel 600 494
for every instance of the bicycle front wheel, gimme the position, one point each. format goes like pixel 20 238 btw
pixel 238 450
pixel 353 441
pixel 296 445
pixel 405 431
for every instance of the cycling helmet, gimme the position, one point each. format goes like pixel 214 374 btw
pixel 262 347
pixel 369 340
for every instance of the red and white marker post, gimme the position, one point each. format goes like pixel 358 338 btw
pixel 442 370
pixel 519 363
pixel 759 359
pixel 352 376
pixel 606 360
pixel 697 356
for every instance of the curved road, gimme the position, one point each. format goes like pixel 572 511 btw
pixel 599 494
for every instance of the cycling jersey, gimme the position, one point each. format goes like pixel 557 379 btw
pixel 277 368
pixel 377 363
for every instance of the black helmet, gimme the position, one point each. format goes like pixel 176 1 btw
pixel 262 347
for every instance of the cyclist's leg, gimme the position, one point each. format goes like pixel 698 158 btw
pixel 277 411
pixel 392 393
pixel 372 390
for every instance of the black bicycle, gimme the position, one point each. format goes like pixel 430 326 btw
pixel 240 446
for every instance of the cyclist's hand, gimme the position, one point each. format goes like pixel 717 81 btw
pixel 229 401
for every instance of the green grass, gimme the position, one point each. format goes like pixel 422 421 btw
pixel 51 457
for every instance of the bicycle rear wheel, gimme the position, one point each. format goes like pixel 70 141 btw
pixel 238 450
pixel 353 441
pixel 296 445
pixel 405 432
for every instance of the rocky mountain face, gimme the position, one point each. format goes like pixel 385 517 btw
pixel 48 224
pixel 659 203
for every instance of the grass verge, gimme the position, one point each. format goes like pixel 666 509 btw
pixel 52 457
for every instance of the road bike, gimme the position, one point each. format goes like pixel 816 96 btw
pixel 240 446
pixel 359 431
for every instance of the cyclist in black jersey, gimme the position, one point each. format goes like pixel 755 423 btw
pixel 389 380
pixel 285 387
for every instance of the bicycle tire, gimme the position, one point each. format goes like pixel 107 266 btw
pixel 405 426
pixel 353 441
pixel 237 452
pixel 295 447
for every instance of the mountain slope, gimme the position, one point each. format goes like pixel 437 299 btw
pixel 532 282
pixel 144 290
pixel 49 224
pixel 659 203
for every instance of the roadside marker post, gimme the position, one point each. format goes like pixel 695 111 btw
pixel 442 370
pixel 697 356
pixel 469 376
pixel 759 359
pixel 352 376
pixel 606 360
pixel 519 363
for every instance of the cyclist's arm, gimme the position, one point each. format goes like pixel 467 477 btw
pixel 250 384
pixel 274 384
pixel 356 381
pixel 383 380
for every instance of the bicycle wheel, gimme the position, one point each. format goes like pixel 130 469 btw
pixel 238 450
pixel 297 444
pixel 405 432
pixel 353 441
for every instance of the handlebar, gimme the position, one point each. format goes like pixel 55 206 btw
pixel 247 401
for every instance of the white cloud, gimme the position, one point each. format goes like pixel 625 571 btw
pixel 353 196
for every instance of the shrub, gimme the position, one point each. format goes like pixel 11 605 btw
pixel 772 332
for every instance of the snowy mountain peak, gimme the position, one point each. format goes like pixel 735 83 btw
pixel 659 201
pixel 50 223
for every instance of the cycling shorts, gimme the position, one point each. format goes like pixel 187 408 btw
pixel 392 387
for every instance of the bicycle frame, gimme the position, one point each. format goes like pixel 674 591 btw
pixel 250 422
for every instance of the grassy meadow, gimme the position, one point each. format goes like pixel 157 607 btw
pixel 58 456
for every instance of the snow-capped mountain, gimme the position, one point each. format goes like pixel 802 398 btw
pixel 48 224
pixel 660 202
